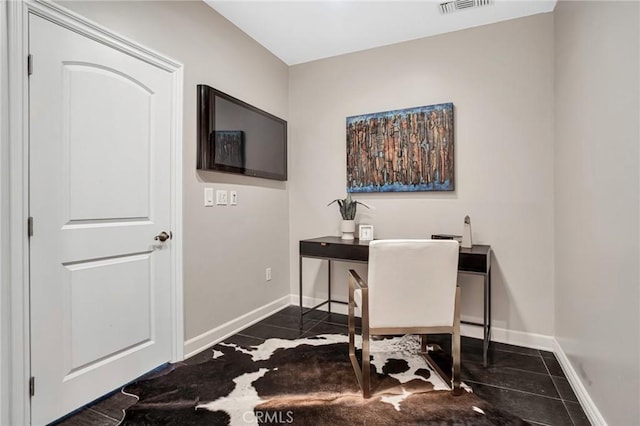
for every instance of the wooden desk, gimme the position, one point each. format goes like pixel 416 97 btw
pixel 475 261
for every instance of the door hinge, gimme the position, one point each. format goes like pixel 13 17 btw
pixel 32 386
pixel 30 226
pixel 30 64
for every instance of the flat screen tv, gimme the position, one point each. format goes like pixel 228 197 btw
pixel 236 137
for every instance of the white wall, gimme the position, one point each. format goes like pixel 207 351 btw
pixel 226 249
pixel 500 79
pixel 597 211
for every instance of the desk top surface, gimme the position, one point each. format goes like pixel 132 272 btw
pixel 475 249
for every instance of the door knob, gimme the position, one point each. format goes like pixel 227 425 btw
pixel 163 236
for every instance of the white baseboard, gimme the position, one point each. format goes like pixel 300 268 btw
pixel 589 407
pixel 502 335
pixel 211 337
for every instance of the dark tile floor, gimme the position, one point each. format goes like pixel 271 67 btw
pixel 526 382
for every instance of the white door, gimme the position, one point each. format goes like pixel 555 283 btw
pixel 99 174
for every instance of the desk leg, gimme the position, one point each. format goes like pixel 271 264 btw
pixel 300 289
pixel 487 316
pixel 329 283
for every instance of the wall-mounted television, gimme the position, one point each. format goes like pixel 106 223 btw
pixel 236 137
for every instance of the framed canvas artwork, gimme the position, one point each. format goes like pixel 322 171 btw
pixel 403 150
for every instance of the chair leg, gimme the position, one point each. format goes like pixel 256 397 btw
pixel 423 343
pixel 352 335
pixel 366 362
pixel 351 325
pixel 362 372
pixel 455 347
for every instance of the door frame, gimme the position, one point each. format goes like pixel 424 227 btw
pixel 15 370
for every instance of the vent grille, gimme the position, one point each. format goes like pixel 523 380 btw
pixel 452 6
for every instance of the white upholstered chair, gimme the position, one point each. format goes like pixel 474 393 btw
pixel 411 289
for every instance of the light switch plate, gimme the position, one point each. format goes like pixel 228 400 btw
pixel 208 197
pixel 221 197
pixel 233 198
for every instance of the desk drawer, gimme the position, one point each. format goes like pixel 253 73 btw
pixel 472 262
pixel 334 251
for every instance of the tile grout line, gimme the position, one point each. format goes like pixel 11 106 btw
pixel 306 333
pixel 276 326
pixel 537 423
pixel 564 403
pixel 511 352
pixel 103 414
pixel 248 335
pixel 512 369
pixel 292 315
pixel 551 376
pixel 512 390
pixel 528 393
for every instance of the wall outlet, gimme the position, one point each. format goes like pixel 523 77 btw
pixel 208 197
pixel 233 198
pixel 267 274
pixel 221 197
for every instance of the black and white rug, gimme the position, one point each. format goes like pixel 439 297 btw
pixel 307 381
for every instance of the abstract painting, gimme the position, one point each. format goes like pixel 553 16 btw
pixel 401 151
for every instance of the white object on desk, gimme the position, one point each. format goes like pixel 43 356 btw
pixel 466 233
pixel 366 232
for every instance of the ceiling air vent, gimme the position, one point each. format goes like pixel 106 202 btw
pixel 452 6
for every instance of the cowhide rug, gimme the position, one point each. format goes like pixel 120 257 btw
pixel 305 382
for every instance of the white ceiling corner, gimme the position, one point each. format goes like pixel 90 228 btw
pixel 302 31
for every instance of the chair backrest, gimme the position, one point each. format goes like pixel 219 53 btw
pixel 412 283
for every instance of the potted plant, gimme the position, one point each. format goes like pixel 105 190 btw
pixel 348 208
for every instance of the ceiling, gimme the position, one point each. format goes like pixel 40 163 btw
pixel 302 31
